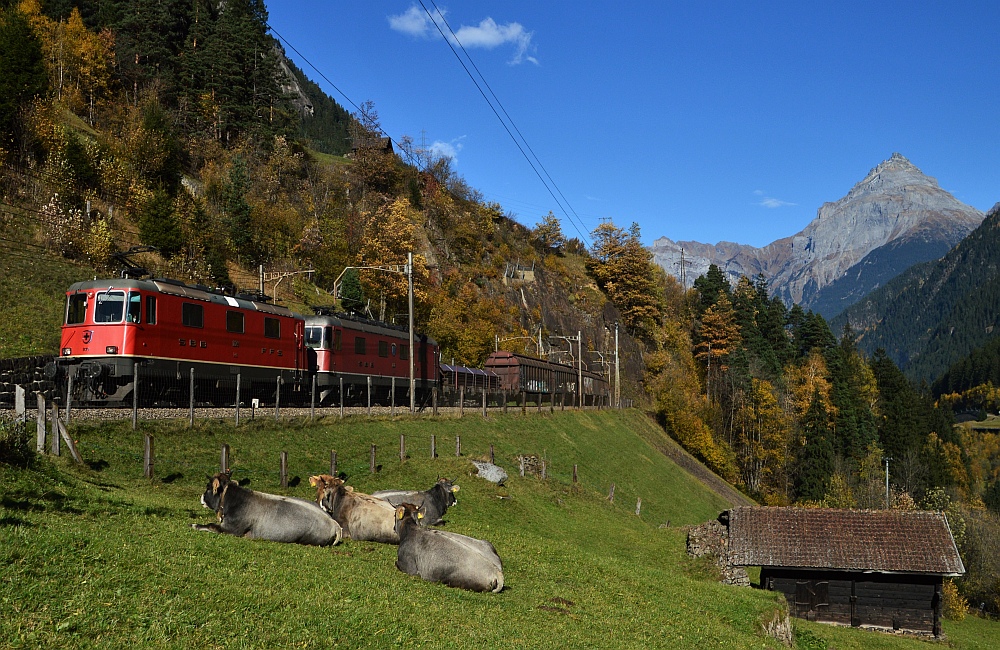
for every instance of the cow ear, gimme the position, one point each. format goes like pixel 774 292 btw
pixel 454 488
pixel 215 485
pixel 313 480
pixel 400 512
pixel 348 488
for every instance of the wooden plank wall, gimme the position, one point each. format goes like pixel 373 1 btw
pixel 897 602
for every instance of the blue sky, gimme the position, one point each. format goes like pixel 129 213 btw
pixel 702 121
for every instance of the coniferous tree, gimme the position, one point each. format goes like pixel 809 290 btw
pixel 22 74
pixel 816 457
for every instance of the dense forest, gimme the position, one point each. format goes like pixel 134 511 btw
pixel 176 126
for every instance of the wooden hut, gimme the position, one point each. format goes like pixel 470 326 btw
pixel 864 568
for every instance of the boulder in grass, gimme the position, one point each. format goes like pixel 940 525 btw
pixel 490 472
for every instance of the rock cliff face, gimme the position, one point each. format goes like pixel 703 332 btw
pixel 894 218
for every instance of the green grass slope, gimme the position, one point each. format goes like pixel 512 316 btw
pixel 33 292
pixel 101 557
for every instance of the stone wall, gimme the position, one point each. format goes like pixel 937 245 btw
pixel 712 538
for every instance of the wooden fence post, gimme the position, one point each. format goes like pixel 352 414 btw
pixel 370 397
pixel 524 403
pixel 283 468
pixel 40 424
pixel 341 398
pixel 333 462
pixel 191 400
pixel 224 459
pixel 458 445
pixel 520 460
pixel 277 399
pixel 611 494
pixel 484 402
pixel 434 400
pixel 402 447
pixel 543 470
pixel 574 473
pixel 64 433
pixel 239 376
pixel 638 506
pixel 504 394
pixel 55 449
pixel 371 459
pixel 69 396
pixel 491 455
pixel 461 401
pixel 392 397
pixel 147 456
pixel 135 395
pixel 434 453
pixel 312 399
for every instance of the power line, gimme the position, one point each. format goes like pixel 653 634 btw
pixel 497 114
pixel 504 110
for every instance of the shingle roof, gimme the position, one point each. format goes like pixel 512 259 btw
pixel 852 540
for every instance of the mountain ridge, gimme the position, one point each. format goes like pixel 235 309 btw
pixel 895 205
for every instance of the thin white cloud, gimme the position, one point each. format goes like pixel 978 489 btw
pixel 440 149
pixel 413 21
pixel 770 202
pixel 488 34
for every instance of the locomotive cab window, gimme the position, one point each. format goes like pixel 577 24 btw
pixel 76 309
pixel 337 342
pixel 359 345
pixel 134 307
pixel 404 351
pixel 272 328
pixel 314 337
pixel 192 315
pixel 151 310
pixel 383 348
pixel 110 307
pixel 234 322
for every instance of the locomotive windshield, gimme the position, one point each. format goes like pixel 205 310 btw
pixel 314 337
pixel 110 307
pixel 76 309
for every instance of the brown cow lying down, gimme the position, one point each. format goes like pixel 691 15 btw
pixel 441 556
pixel 363 517
pixel 433 502
pixel 257 515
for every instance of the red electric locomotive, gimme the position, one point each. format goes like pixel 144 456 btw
pixel 165 329
pixel 350 351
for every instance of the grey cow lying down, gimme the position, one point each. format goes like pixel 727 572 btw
pixel 446 557
pixel 257 515
pixel 433 502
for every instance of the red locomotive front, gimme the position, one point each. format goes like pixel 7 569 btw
pixel 166 329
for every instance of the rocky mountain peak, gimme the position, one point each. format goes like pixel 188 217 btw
pixel 894 217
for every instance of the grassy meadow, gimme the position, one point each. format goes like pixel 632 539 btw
pixel 99 556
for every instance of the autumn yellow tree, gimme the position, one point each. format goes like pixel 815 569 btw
pixel 762 442
pixel 623 269
pixel 719 336
pixel 672 381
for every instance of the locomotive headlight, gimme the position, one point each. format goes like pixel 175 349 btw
pixel 111 349
pixel 67 351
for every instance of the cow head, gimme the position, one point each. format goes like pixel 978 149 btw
pixel 328 490
pixel 215 491
pixel 450 490
pixel 407 514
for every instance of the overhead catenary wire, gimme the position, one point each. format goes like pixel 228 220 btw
pixel 509 120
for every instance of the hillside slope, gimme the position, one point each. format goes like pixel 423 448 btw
pixel 580 571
